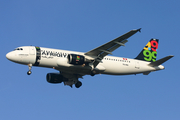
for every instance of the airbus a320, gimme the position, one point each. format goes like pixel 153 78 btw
pixel 74 65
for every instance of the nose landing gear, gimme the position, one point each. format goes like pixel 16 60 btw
pixel 29 72
pixel 30 66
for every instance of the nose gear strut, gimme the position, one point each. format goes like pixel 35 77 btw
pixel 30 66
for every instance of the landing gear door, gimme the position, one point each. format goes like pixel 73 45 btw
pixel 32 50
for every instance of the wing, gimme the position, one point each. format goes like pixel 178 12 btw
pixel 100 52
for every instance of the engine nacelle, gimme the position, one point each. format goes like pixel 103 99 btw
pixel 76 59
pixel 54 78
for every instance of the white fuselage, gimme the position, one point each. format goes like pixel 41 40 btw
pixel 57 59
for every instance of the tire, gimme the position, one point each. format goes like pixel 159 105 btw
pixel 78 84
pixel 29 72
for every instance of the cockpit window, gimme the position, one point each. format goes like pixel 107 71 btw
pixel 18 49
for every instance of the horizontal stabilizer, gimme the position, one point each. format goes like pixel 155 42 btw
pixel 160 61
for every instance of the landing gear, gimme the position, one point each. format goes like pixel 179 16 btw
pixel 78 84
pixel 30 66
pixel 29 72
pixel 93 73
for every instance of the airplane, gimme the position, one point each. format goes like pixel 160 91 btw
pixel 74 65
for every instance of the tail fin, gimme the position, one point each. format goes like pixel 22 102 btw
pixel 149 52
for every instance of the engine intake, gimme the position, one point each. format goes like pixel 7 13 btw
pixel 76 59
pixel 54 78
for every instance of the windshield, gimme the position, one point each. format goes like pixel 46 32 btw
pixel 18 49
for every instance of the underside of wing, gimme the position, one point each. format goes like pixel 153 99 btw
pixel 100 52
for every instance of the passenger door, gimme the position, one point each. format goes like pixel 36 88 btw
pixel 32 50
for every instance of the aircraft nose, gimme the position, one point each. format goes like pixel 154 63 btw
pixel 10 56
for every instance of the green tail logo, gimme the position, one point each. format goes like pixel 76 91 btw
pixel 149 52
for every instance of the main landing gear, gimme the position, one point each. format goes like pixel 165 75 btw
pixel 30 66
pixel 93 73
pixel 78 84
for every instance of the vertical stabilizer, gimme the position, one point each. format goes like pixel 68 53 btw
pixel 149 52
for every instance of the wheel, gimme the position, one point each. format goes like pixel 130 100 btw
pixel 93 73
pixel 29 72
pixel 78 84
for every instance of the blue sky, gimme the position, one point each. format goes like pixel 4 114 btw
pixel 81 26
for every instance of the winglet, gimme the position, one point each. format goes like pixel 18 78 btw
pixel 159 62
pixel 139 29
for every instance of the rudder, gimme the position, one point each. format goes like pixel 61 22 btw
pixel 149 52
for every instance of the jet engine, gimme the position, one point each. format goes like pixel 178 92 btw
pixel 76 59
pixel 54 78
